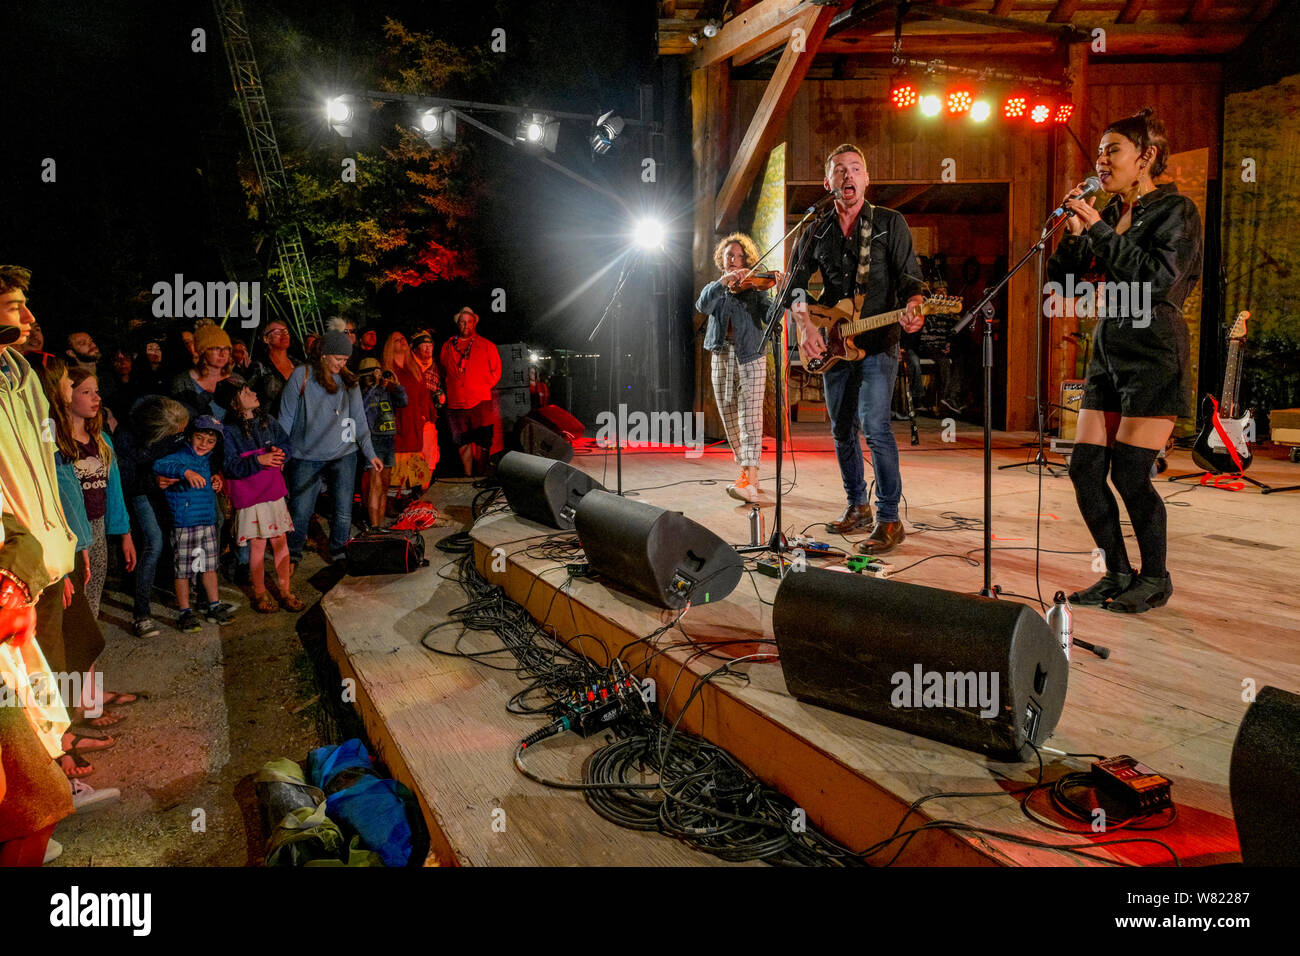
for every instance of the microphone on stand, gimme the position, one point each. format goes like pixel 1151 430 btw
pixel 1091 186
pixel 833 195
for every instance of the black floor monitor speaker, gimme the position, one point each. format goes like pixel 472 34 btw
pixel 974 672
pixel 560 419
pixel 661 556
pixel 542 489
pixel 538 437
pixel 1263 778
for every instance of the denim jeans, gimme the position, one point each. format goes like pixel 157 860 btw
pixel 149 549
pixel 858 399
pixel 303 478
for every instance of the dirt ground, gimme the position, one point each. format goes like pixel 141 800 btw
pixel 222 702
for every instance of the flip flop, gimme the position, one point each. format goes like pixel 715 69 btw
pixel 123 699
pixel 78 745
pixel 80 766
pixel 106 719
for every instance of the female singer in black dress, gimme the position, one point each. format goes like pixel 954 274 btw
pixel 1146 242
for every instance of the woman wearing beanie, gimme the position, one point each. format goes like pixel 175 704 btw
pixel 196 387
pixel 322 413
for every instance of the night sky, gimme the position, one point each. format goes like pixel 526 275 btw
pixel 145 137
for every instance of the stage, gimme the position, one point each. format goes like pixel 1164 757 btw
pixel 1172 693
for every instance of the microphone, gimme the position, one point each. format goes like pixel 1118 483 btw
pixel 835 194
pixel 1091 186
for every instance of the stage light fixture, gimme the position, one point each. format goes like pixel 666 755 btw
pixel 711 28
pixel 437 126
pixel 608 128
pixel 1063 113
pixel 931 104
pixel 538 131
pixel 959 101
pixel 648 233
pixel 1040 113
pixel 980 111
pixel 1015 106
pixel 902 94
pixel 343 115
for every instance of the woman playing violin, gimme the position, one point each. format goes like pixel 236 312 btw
pixel 737 310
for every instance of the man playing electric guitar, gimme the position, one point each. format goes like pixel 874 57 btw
pixel 870 254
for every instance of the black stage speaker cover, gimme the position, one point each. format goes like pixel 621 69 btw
pixel 661 556
pixel 543 490
pixel 1263 779
pixel 537 437
pixel 970 671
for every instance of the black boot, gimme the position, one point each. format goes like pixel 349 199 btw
pixel 1143 594
pixel 1112 584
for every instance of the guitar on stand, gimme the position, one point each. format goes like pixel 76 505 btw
pixel 838 325
pixel 1223 446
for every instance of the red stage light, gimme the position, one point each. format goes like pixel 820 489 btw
pixel 1040 113
pixel 959 101
pixel 1063 113
pixel 903 95
pixel 1014 107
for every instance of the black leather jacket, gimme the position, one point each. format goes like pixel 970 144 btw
pixel 894 277
pixel 1162 246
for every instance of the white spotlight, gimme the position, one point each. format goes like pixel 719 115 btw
pixel 648 233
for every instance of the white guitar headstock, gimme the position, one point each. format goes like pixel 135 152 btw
pixel 1238 330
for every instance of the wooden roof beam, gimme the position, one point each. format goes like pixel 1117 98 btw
pixel 770 116
pixel 1130 12
pixel 1196 13
pixel 936 12
pixel 1002 8
pixel 1063 11
pixel 749 35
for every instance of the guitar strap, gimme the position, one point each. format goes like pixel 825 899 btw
pixel 864 247
pixel 1218 427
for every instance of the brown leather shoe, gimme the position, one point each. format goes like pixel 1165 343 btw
pixel 855 518
pixel 884 537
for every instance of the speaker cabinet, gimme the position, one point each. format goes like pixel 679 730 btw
pixel 974 672
pixel 537 437
pixel 543 490
pixel 660 556
pixel 560 420
pixel 1263 779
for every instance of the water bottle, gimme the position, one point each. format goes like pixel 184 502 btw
pixel 755 526
pixel 1061 621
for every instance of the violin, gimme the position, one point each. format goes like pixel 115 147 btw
pixel 761 281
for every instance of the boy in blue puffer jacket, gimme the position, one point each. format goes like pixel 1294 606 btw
pixel 192 501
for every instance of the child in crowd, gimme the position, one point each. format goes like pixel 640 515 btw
pixel 192 502
pixel 256 451
pixel 382 395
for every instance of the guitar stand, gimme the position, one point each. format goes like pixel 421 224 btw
pixel 1202 476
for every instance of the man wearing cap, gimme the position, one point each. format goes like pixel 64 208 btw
pixel 471 366
pixel 196 388
pixel 322 413
pixel 382 395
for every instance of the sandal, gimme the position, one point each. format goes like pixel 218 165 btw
pixel 112 698
pixel 78 742
pixel 108 718
pixel 1144 594
pixel 80 766
pixel 264 604
pixel 291 602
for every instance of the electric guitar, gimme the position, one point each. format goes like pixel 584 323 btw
pixel 838 324
pixel 1223 446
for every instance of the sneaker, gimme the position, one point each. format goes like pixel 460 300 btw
pixel 86 798
pixel 744 490
pixel 53 850
pixel 147 627
pixel 189 623
pixel 219 613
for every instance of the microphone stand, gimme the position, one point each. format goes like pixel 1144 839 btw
pixel 628 265
pixel 775 332
pixel 985 307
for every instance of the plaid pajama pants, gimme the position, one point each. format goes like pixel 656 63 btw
pixel 738 390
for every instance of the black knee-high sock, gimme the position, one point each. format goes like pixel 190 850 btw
pixel 1088 467
pixel 1131 471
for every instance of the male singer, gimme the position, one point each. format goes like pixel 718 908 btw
pixel 861 250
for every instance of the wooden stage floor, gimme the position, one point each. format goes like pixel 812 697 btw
pixel 1171 694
